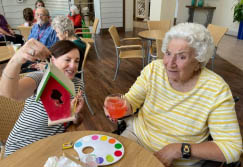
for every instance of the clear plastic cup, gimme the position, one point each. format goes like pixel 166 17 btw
pixel 90 160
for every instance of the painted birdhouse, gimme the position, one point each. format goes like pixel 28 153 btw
pixel 55 91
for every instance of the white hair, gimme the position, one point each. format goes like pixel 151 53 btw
pixel 198 38
pixel 75 9
pixel 64 24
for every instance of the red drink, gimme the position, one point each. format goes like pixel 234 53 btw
pixel 116 107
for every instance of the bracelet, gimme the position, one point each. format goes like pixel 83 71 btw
pixel 8 77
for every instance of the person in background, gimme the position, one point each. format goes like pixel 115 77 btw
pixel 7 33
pixel 32 124
pixel 42 30
pixel 28 17
pixel 38 4
pixel 181 103
pixel 65 31
pixel 75 17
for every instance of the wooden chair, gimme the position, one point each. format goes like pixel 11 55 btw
pixel 6 52
pixel 217 33
pixel 93 33
pixel 163 25
pixel 9 113
pixel 125 51
pixel 160 54
pixel 82 76
pixel 25 31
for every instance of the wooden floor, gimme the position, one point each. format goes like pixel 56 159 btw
pixel 99 74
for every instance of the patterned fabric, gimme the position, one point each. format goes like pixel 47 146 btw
pixel 168 116
pixel 32 124
pixel 45 34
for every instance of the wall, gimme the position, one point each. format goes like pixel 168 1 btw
pixel 223 15
pixel 13 11
pixel 111 12
pixel 168 10
pixel 155 9
pixel 162 9
pixel 128 15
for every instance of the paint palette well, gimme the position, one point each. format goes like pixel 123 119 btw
pixel 108 150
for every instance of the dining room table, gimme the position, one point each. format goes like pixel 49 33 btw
pixel 149 36
pixel 37 153
pixel 6 52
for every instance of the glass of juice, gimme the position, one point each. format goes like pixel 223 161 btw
pixel 116 105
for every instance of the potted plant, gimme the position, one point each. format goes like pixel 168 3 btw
pixel 238 16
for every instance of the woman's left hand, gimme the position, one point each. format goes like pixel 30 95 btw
pixel 77 104
pixel 169 153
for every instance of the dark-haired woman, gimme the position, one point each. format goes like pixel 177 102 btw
pixel 28 17
pixel 32 124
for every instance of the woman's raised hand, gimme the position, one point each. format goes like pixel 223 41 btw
pixel 32 50
pixel 77 104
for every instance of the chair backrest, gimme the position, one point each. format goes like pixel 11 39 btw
pixel 25 31
pixel 115 36
pixel 95 25
pixel 6 52
pixel 217 33
pixel 88 46
pixel 163 25
pixel 160 54
pixel 9 113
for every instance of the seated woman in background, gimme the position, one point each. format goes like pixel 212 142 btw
pixel 32 124
pixel 180 103
pixel 28 17
pixel 7 33
pixel 65 31
pixel 75 17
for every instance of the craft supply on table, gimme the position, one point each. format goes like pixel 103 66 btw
pixel 107 150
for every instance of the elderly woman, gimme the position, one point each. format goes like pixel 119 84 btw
pixel 180 103
pixel 65 31
pixel 32 124
pixel 75 16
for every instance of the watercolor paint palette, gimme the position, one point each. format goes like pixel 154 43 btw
pixel 108 150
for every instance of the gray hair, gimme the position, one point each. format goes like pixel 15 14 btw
pixel 198 38
pixel 45 10
pixel 75 9
pixel 64 24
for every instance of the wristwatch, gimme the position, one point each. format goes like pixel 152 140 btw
pixel 186 150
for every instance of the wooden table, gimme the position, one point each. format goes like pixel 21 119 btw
pixel 149 36
pixel 36 154
pixel 6 52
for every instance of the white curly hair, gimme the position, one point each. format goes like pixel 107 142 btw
pixel 75 9
pixel 198 38
pixel 64 24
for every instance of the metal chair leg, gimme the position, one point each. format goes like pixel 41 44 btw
pixel 213 57
pixel 87 102
pixel 96 50
pixel 84 95
pixel 117 68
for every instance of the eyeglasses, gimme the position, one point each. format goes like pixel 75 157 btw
pixel 37 14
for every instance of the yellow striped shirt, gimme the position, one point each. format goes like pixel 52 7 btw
pixel 168 116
